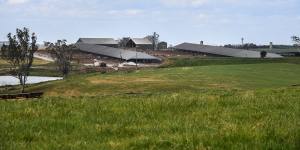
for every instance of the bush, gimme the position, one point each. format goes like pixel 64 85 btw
pixel 263 54
pixel 103 65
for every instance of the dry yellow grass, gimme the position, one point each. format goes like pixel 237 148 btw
pixel 2 61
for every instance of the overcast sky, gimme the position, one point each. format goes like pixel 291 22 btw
pixel 213 21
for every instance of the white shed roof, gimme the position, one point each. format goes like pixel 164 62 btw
pixel 141 41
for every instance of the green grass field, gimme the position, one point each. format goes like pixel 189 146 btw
pixel 169 80
pixel 207 61
pixel 196 106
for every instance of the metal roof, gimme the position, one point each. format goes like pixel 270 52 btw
pixel 141 41
pixel 279 51
pixel 114 52
pixel 222 51
pixel 100 41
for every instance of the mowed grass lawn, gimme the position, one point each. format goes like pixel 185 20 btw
pixel 250 106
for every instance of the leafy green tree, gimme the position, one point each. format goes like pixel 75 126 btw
pixel 62 53
pixel 19 53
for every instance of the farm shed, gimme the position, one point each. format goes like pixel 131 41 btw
pixel 117 53
pixel 162 45
pixel 222 51
pixel 141 43
pixel 99 41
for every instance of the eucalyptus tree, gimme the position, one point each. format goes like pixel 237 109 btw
pixel 296 39
pixel 62 54
pixel 19 53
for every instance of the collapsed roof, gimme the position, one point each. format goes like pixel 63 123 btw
pixel 222 51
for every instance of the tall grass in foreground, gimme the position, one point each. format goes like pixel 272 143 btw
pixel 264 119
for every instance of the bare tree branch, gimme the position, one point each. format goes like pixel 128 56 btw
pixel 62 53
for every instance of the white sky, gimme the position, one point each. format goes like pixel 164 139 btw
pixel 213 21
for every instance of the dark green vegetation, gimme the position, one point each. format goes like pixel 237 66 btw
pixel 183 62
pixel 241 106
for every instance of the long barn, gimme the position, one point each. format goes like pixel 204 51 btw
pixel 222 51
pixel 141 43
pixel 117 53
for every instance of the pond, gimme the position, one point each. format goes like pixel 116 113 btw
pixel 10 80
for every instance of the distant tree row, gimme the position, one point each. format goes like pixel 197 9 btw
pixel 295 39
pixel 254 46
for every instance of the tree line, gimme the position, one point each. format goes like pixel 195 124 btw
pixel 295 39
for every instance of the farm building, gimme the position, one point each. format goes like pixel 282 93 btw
pixel 123 42
pixel 221 51
pixel 162 45
pixel 99 41
pixel 141 43
pixel 117 53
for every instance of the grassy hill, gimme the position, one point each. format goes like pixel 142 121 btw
pixel 215 106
